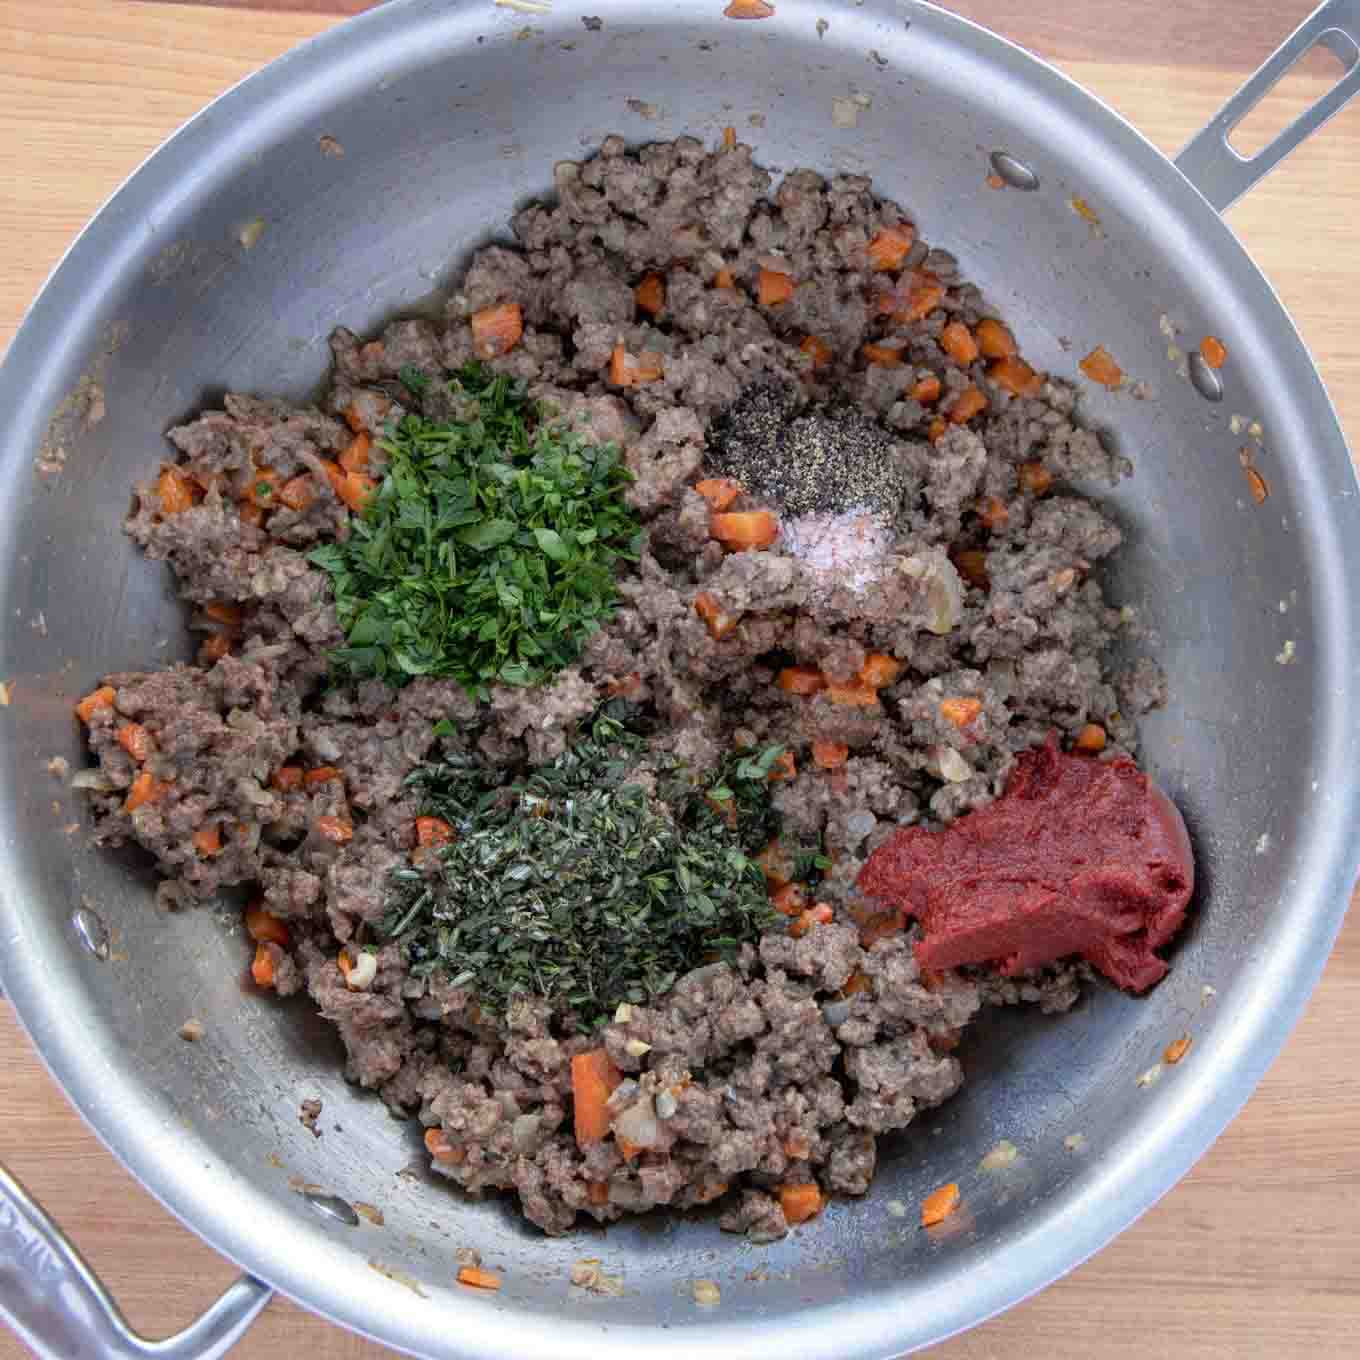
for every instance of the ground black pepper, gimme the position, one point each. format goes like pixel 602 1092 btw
pixel 823 459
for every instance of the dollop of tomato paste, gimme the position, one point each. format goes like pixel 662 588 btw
pixel 1077 856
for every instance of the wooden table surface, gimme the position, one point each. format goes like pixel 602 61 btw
pixel 1257 1252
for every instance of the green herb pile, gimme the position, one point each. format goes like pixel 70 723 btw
pixel 579 886
pixel 488 552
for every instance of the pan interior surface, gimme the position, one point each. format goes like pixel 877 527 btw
pixel 448 119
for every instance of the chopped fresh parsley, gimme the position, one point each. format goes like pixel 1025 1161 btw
pixel 600 878
pixel 488 552
pixel 413 379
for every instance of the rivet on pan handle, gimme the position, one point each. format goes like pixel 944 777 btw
pixel 1219 172
pixel 55 1304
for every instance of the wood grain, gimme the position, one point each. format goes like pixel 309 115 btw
pixel 1257 1253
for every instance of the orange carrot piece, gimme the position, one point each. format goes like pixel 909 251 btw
pixel 214 649
pixel 856 695
pixel 723 279
pixel 145 789
pixel 786 767
pixel 971 564
pixel 208 841
pixel 262 969
pixel 857 982
pixel 939 1204
pixel 1177 1049
pixel 890 246
pixel 883 356
pixel 593 1079
pixel 323 774
pixel 994 341
pixel 800 1202
pixel 817 350
pixel 103 697
pixel 800 680
pixel 1100 367
pixel 879 669
pixel 334 829
pixel 748 9
pixel 224 612
pixel 175 490
pixel 746 529
pixel 829 755
pixel 992 511
pixel 597 1192
pixel 1213 351
pixel 262 925
pixel 719 492
pixel 709 608
pixel 264 486
pixel 136 741
pixel 287 778
pixel 1016 376
pixel 625 371
pixel 355 456
pixel 496 330
pixel 628 1150
pixel 926 389
pixel 438 1146
pixel 936 429
pixel 251 514
pixel 776 864
pixel 789 899
pixel 353 418
pixel 1091 739
pixel 353 488
pixel 729 138
pixel 433 831
pixel 1034 478
pixel 914 298
pixel 960 712
pixel 650 294
pixel 969 403
pixel 477 1278
pixel 772 287
pixel 297 493
pixel 957 342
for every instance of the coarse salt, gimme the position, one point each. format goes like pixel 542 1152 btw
pixel 853 544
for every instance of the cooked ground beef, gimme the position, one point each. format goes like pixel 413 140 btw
pixel 785 1067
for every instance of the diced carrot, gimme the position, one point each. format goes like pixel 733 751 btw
pixel 971 564
pixel 355 456
pixel 496 330
pixel 262 969
pixel 883 356
pixel 936 429
pixel 1016 377
pixel 1034 478
pixel 718 620
pixel 786 767
pixel 926 389
pixel 855 695
pixel 433 831
pixel 214 649
pixel 879 669
pixel 939 1204
pixel 994 341
pixel 208 841
pixel 438 1146
pixel 960 712
pixel 145 789
pixel 323 774
pixel 263 488
pixel 993 512
pixel 353 488
pixel 477 1278
pixel 1100 367
pixel 103 697
pixel 287 778
pixel 957 341
pixel 819 914
pixel 723 279
pixel 136 741
pixel 334 829
pixel 969 403
pixel 175 490
pixel 262 925
pixel 297 493
pixel 625 371
pixel 719 492
pixel 1213 351
pixel 744 529
pixel 890 246
pixel 729 138
pixel 857 982
pixel 822 913
pixel 597 1193
pixel 593 1079
pixel 250 514
pixel 817 350
pixel 650 294
pixel 344 965
pixel 628 1150
pixel 224 612
pixel 914 298
pixel 994 181
pixel 829 755
pixel 776 864
pixel 800 680
pixel 789 899
pixel 1091 739
pixel 772 287
pixel 797 1146
pixel 748 9
pixel 800 1202
pixel 1177 1049
pixel 353 418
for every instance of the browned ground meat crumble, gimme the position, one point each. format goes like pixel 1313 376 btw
pixel 764 1073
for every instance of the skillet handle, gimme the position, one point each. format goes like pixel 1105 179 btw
pixel 1219 172
pixel 54 1303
